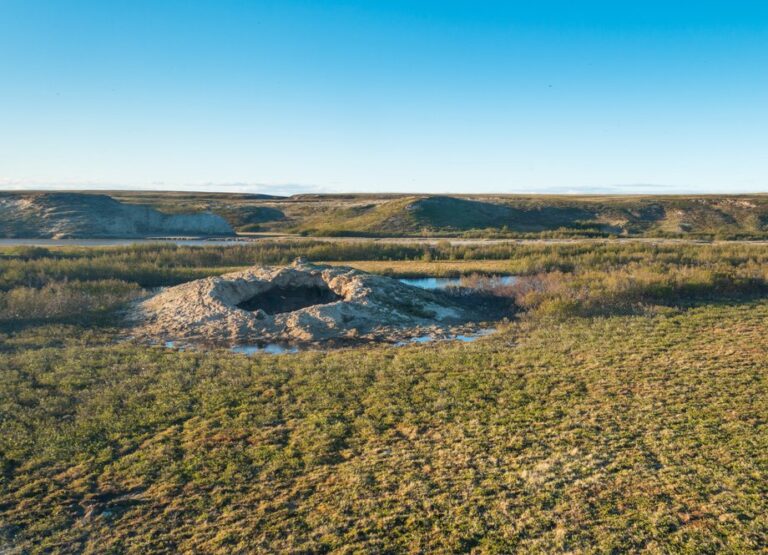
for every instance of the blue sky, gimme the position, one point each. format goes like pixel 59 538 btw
pixel 430 96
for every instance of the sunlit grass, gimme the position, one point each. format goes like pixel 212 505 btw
pixel 634 430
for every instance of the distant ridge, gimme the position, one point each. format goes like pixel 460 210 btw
pixel 82 215
pixel 703 216
pixel 161 213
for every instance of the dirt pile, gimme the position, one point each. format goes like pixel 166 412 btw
pixel 303 303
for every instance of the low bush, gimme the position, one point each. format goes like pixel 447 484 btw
pixel 632 288
pixel 65 300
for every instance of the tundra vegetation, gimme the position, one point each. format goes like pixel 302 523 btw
pixel 625 408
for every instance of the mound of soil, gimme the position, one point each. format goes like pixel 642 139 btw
pixel 303 303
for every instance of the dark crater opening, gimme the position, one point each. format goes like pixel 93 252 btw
pixel 281 299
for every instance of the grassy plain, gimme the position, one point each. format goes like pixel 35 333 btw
pixel 626 409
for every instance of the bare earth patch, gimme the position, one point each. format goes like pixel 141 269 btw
pixel 302 303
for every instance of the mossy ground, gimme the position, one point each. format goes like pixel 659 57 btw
pixel 611 434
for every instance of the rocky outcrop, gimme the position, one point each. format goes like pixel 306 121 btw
pixel 80 215
pixel 339 304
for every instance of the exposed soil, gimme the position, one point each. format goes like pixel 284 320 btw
pixel 307 304
pixel 60 215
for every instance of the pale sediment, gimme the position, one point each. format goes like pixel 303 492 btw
pixel 302 303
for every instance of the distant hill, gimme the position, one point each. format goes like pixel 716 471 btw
pixel 652 216
pixel 137 214
pixel 242 211
pixel 436 214
pixel 80 215
pixel 462 214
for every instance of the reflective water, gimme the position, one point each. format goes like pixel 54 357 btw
pixel 269 348
pixel 277 349
pixel 443 282
pixel 281 349
pixel 464 338
pixel 181 241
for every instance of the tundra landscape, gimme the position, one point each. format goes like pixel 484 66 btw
pixel 383 277
pixel 300 394
pixel 125 214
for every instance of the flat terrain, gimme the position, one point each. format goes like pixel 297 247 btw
pixel 625 409
pixel 548 437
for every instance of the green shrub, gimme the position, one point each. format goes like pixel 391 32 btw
pixel 75 299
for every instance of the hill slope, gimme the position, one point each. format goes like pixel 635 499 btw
pixel 452 215
pixel 76 215
pixel 124 214
pixel 710 216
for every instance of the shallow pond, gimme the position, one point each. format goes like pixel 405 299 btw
pixel 443 282
pixel 281 349
pixel 269 348
pixel 464 338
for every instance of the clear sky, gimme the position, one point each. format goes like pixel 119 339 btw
pixel 385 95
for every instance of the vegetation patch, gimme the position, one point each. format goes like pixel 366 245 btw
pixel 615 434
pixel 625 410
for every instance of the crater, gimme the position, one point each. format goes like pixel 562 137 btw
pixel 289 298
pixel 306 304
